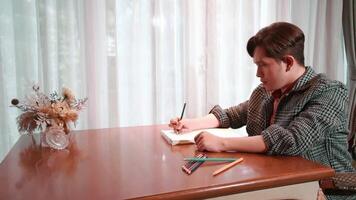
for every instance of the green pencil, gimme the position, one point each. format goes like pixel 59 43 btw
pixel 211 159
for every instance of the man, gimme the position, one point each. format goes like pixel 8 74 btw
pixel 294 111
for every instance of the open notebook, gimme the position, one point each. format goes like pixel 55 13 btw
pixel 188 138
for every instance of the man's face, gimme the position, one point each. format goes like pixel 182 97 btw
pixel 272 73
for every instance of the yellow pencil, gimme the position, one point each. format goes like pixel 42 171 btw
pixel 227 166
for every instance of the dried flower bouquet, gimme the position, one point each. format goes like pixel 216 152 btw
pixel 41 111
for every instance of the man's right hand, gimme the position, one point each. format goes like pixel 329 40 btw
pixel 187 125
pixel 181 126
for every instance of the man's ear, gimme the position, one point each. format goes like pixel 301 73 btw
pixel 289 60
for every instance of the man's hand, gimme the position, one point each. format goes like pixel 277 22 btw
pixel 181 126
pixel 206 141
pixel 187 125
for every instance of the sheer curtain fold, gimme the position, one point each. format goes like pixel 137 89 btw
pixel 195 57
pixel 349 27
pixel 139 61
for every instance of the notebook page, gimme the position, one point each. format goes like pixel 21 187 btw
pixel 186 138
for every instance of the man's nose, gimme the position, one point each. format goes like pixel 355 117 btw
pixel 258 72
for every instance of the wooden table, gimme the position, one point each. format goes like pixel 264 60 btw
pixel 136 162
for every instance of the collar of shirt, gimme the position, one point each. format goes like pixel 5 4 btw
pixel 277 94
pixel 280 92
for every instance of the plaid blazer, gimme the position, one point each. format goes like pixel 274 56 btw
pixel 310 120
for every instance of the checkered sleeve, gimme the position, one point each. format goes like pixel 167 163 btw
pixel 323 114
pixel 233 117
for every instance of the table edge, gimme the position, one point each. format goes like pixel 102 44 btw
pixel 233 188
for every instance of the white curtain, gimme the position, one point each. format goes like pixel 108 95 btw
pixel 138 61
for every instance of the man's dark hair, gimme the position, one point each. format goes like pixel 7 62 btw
pixel 278 40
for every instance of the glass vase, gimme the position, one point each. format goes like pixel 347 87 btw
pixel 55 137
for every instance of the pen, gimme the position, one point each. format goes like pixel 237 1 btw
pixel 211 159
pixel 181 116
pixel 228 166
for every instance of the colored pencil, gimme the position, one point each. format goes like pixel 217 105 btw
pixel 195 166
pixel 211 159
pixel 191 166
pixel 228 166
pixel 186 167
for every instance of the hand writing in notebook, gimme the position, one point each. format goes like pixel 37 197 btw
pixel 177 124
pixel 187 125
pixel 181 126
